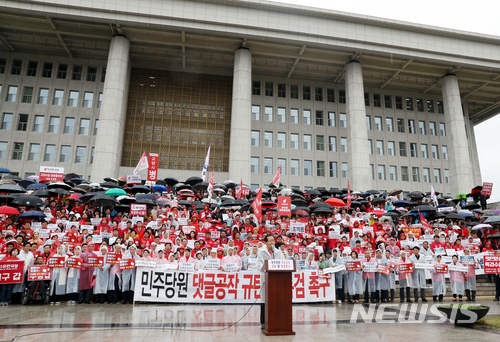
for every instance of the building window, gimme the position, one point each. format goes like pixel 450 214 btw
pixel 294 91
pixel 32 66
pixel 3 63
pixel 368 122
pixel 88 99
pixel 294 167
pixel 50 151
pixel 6 121
pixel 43 96
pixel 437 176
pixel 306 92
pixel 332 144
pixel 367 99
pixel 307 168
pixel 96 126
pixel 344 170
pixel 22 123
pixel 343 120
pixel 415 174
pixel 281 114
pixel 255 87
pixel 282 163
pixel 294 116
pixel 389 124
pixel 318 94
pixel 421 127
pixel 269 88
pixel 331 119
pixel 380 147
pixel 378 123
pixel 306 117
pixel 440 106
pixel 420 105
pixel 444 152
pixel 268 114
pixel 17 65
pixel 320 168
pixel 409 103
pixel 435 152
pixel 424 151
pixel 343 145
pixel 255 113
pixel 370 146
pixel 255 138
pixel 393 173
pixel 319 117
pixel 399 102
pixel 34 152
pixel 432 128
pixel 80 154
pixel 62 70
pixel 3 149
pixel 12 94
pixel 17 153
pixel 54 124
pixel 381 172
pixel 281 140
pixel 92 155
pixel 401 125
pixel 268 139
pixel 388 101
pixel 372 171
pixel 65 154
pixel 330 95
pixel 402 149
pixel 91 74
pixel 47 70
pixel 447 176
pixel 99 101
pixel 307 141
pixel 341 96
pixel 77 73
pixel 320 142
pixel 411 126
pixel 294 141
pixel 73 98
pixel 376 100
pixel 442 129
pixel 430 106
pixel 84 127
pixel 404 173
pixel 413 150
pixel 254 167
pixel 69 125
pixel 391 148
pixel 281 90
pixel 27 95
pixel 38 124
pixel 427 175
pixel 58 97
pixel 333 170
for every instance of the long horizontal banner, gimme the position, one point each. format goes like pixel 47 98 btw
pixel 169 286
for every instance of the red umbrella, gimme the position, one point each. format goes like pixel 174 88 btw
pixel 335 202
pixel 300 212
pixel 379 212
pixel 73 197
pixel 6 210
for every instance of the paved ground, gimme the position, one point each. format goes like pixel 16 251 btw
pixel 204 323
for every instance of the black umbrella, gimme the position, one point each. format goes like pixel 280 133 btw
pixel 25 183
pixel 321 205
pixel 79 190
pixel 161 182
pixel 138 188
pixel 122 208
pixel 193 180
pixel 60 192
pixel 364 202
pixel 180 186
pixel 383 194
pixel 356 204
pixel 373 192
pixel 185 203
pixel 6 198
pixel 429 194
pixel 298 191
pixel 110 185
pixel 472 224
pixel 171 181
pixel 416 195
pixel 59 185
pixel 126 200
pixel 85 198
pixel 229 203
pixel 220 186
pixel 335 191
pixel 313 192
pixel 146 201
pixel 424 208
pixel 201 186
pixel 28 201
pixel 102 201
pixel 299 202
pixel 392 213
pixel 435 216
pixel 454 216
pixel 296 196
pixel 323 210
pixel 43 193
pixel 301 208
pixel 70 176
pixel 14 178
pixel 12 188
pixel 152 197
pixel 242 201
pixel 378 200
pixel 472 206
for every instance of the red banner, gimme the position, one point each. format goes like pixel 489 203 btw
pixel 386 270
pixel 406 268
pixel 74 262
pixel 441 268
pixel 11 272
pixel 113 258
pixel 492 264
pixel 138 209
pixel 487 187
pixel 284 205
pixel 353 266
pixel 57 261
pixel 257 206
pixel 415 230
pixel 153 167
pixel 39 272
pixel 48 173
pixel 127 264
pixel 95 261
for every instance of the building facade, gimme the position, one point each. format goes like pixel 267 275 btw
pixel 328 96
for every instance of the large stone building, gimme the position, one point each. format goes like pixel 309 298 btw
pixel 331 96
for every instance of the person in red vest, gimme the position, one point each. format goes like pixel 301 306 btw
pixel 436 243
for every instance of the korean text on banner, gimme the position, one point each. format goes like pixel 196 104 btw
pixel 406 268
pixel 284 205
pixel 138 209
pixel 134 179
pixel 95 261
pixel 127 264
pixel 492 264
pixel 487 187
pixel 153 167
pixel 39 272
pixel 351 266
pixel 74 262
pixel 11 272
pixel 57 262
pixel 50 173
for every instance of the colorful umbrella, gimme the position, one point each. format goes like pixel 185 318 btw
pixel 335 202
pixel 73 197
pixel 6 210
pixel 116 192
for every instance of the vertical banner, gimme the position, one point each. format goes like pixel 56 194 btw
pixel 487 187
pixel 153 167
pixel 284 205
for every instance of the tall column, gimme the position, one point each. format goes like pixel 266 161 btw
pixel 109 140
pixel 461 178
pixel 357 140
pixel 474 156
pixel 241 117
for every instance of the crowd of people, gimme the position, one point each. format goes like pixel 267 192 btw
pixel 177 229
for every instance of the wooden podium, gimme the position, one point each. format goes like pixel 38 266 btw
pixel 278 296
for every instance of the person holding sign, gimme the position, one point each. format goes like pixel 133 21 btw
pixel 128 277
pixel 404 279
pixel 115 276
pixel 86 274
pixel 59 278
pixel 381 280
pixel 336 260
pixel 457 279
pixel 368 279
pixel 438 280
pixel 101 274
pixel 231 258
pixel 73 281
pixel 354 279
pixel 418 276
pixel 392 276
pixel 470 282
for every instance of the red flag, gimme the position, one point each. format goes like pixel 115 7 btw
pixel 348 196
pixel 211 184
pixel 257 206
pixel 424 222
pixel 276 180
pixel 406 224
pixel 239 191
pixel 143 163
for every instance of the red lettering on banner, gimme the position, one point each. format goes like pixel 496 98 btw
pixel 153 167
pixel 299 286
pixel 254 285
pixel 492 264
pixel 284 205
